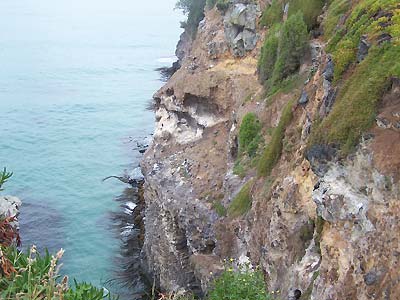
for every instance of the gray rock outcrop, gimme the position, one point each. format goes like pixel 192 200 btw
pixel 240 28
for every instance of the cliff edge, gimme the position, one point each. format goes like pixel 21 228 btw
pixel 277 142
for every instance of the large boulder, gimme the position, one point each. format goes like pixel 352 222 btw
pixel 240 28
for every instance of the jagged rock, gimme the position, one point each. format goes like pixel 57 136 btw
pixel 316 226
pixel 240 28
pixel 382 13
pixel 384 37
pixel 370 278
pixel 303 98
pixel 329 69
pixel 328 99
pixel 306 127
pixel 316 50
pixel 363 48
pixel 319 156
pixel 329 95
pixel 216 48
pixel 9 206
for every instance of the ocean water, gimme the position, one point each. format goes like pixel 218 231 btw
pixel 75 80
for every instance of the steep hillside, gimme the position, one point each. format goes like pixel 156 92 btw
pixel 278 142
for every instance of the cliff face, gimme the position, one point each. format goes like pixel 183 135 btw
pixel 321 222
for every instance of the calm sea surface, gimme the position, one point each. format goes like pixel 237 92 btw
pixel 75 79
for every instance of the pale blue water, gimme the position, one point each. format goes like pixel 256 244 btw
pixel 75 79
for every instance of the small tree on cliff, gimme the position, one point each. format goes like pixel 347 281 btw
pixel 195 13
pixel 292 47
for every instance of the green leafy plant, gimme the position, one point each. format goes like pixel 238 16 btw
pixel 239 283
pixel 85 291
pixel 35 277
pixel 4 176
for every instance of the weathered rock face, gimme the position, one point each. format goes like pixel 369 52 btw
pixel 320 224
pixel 240 27
pixel 9 207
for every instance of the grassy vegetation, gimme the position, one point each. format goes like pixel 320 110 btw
pixel 240 284
pixel 219 208
pixel 357 102
pixel 344 43
pixel 272 14
pixel 336 11
pixel 273 150
pixel 242 202
pixel 286 85
pixel 319 227
pixel 249 134
pixel 310 9
pixel 355 109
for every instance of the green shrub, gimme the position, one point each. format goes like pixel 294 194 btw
pixel 249 134
pixel 195 13
pixel 273 150
pixel 219 208
pixel 292 47
pixel 273 14
pixel 311 9
pixel 222 5
pixel 269 53
pixel 240 284
pixel 355 108
pixel 242 202
pixel 35 277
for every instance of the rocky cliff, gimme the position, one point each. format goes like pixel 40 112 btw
pixel 322 216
